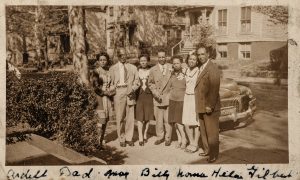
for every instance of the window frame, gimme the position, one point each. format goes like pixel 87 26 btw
pixel 111 11
pixel 246 19
pixel 223 29
pixel 221 53
pixel 243 52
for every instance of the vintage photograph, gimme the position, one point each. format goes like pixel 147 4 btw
pixel 134 85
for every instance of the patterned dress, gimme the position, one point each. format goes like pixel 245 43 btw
pixel 144 105
pixel 189 115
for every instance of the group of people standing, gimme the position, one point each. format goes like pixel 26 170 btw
pixel 183 96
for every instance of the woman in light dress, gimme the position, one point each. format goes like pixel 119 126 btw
pixel 189 116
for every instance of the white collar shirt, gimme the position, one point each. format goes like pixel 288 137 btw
pixel 122 73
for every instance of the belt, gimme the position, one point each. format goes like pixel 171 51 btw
pixel 190 93
pixel 121 86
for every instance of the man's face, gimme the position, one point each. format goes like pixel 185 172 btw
pixel 161 58
pixel 202 55
pixel 122 56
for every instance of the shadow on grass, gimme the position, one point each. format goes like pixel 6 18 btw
pixel 242 155
pixel 111 155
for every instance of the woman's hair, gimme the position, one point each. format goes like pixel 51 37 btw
pixel 177 57
pixel 192 54
pixel 109 63
pixel 146 56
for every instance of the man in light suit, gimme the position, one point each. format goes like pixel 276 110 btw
pixel 159 85
pixel 124 81
pixel 208 104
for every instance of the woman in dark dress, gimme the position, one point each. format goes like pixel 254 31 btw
pixel 144 104
pixel 177 90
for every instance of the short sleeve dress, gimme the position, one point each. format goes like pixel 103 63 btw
pixel 177 90
pixel 144 110
pixel 189 115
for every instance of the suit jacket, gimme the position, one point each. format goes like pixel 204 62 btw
pixel 132 80
pixel 207 88
pixel 159 84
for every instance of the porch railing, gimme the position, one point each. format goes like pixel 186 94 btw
pixel 177 47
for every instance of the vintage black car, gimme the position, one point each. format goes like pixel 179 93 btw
pixel 237 101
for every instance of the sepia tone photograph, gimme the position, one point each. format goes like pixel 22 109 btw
pixel 134 85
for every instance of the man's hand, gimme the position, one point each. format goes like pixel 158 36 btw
pixel 208 110
pixel 158 98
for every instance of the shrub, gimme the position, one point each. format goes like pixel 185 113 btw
pixel 58 104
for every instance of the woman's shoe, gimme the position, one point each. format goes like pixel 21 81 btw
pixel 183 145
pixel 141 143
pixel 178 145
pixel 193 150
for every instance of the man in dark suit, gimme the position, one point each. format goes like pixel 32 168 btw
pixel 208 104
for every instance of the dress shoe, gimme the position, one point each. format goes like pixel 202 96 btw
pixel 141 143
pixel 167 143
pixel 211 160
pixel 203 154
pixel 145 140
pixel 130 143
pixel 157 142
pixel 122 144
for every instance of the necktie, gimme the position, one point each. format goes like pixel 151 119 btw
pixel 125 73
pixel 163 70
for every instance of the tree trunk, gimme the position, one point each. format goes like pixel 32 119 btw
pixel 77 42
pixel 37 35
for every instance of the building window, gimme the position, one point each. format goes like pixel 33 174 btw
pixel 245 50
pixel 222 50
pixel 111 11
pixel 122 11
pixel 168 34
pixel 246 19
pixel 222 21
pixel 111 39
pixel 178 34
pixel 130 9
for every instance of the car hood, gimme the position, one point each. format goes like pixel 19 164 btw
pixel 229 88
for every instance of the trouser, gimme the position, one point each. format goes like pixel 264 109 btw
pixel 124 116
pixel 161 116
pixel 209 131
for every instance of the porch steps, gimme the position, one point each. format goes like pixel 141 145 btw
pixel 187 48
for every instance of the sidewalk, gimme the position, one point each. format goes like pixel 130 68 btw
pixel 236 147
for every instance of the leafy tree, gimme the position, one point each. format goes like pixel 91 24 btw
pixel 36 22
pixel 203 35
pixel 277 14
